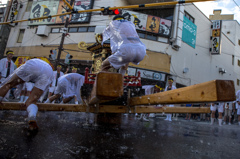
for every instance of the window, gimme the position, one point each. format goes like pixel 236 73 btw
pixel 55 30
pixel 141 35
pixel 188 16
pixel 238 62
pixel 72 30
pixel 82 29
pixel 151 37
pixel 91 29
pixel 238 82
pixel 29 5
pixel 238 41
pixel 232 59
pixel 20 36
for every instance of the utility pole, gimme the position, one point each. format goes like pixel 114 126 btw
pixel 63 34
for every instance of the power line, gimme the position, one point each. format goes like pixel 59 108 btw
pixel 236 3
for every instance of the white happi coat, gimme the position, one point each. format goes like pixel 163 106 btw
pixel 52 88
pixel 69 85
pixel 36 71
pixel 4 67
pixel 125 43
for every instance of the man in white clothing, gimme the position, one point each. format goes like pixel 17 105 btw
pixel 26 90
pixel 228 112
pixel 125 43
pixel 170 87
pixel 238 105
pixel 69 86
pixel 151 89
pixel 56 75
pixel 213 108
pixel 7 67
pixel 36 71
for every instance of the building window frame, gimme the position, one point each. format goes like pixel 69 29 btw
pixel 72 29
pixel 233 59
pixel 188 16
pixel 82 27
pixel 238 82
pixel 55 30
pixel 20 35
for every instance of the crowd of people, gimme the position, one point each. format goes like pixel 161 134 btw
pixel 33 80
pixel 222 113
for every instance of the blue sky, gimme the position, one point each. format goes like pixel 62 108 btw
pixel 227 7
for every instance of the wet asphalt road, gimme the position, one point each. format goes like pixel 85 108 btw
pixel 62 136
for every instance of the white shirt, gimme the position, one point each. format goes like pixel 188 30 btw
pixel 173 87
pixel 4 67
pixel 149 89
pixel 237 99
pixel 230 105
pixel 55 77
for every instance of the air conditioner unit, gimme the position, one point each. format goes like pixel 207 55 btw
pixel 43 30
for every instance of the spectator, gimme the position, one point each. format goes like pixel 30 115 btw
pixel 151 89
pixel 7 67
pixel 170 87
pixel 219 107
pixel 228 112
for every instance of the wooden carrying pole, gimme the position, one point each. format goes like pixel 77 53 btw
pixel 212 91
pixel 112 8
pixel 106 108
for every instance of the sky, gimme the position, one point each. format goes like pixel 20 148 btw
pixel 227 7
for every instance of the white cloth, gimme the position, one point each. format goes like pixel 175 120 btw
pixel 238 95
pixel 32 110
pixel 28 85
pixel 219 107
pixel 36 71
pixel 125 43
pixel 52 89
pixel 149 89
pixel 69 85
pixel 166 89
pixel 55 77
pixel 238 99
pixel 4 67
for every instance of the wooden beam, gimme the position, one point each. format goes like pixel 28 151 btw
pixel 45 107
pixel 154 109
pixel 108 86
pixel 212 91
pixel 106 108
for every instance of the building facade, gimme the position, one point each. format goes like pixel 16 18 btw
pixel 177 37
